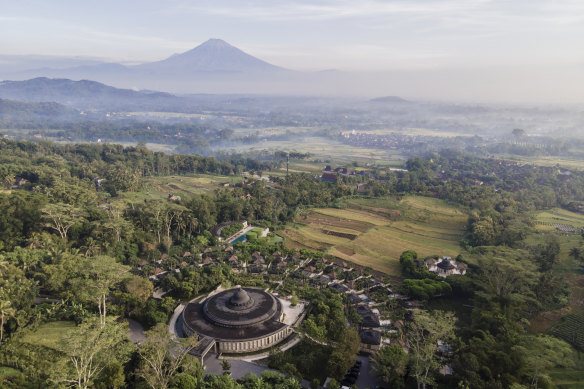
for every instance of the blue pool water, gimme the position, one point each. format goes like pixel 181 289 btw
pixel 238 240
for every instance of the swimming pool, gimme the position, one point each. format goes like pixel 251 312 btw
pixel 242 238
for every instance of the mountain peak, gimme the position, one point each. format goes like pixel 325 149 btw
pixel 214 42
pixel 213 55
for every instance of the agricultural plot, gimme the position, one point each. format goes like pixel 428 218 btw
pixel 368 232
pixel 560 220
pixel 161 187
pixel 571 329
pixel 323 148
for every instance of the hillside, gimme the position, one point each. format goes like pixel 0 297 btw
pixel 82 94
pixel 24 111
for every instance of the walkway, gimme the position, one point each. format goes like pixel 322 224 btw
pixel 238 234
pixel 136 331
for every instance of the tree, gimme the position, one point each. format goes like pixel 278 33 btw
pixel 6 310
pixel 162 356
pixel 89 349
pixel 225 366
pixel 548 251
pixel 543 353
pixel 98 275
pixel 519 133
pixel 140 287
pixel 116 221
pixel 344 353
pixel 423 334
pixel 390 364
pixel 61 217
pixel 575 253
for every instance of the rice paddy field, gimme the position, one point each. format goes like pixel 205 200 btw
pixel 374 232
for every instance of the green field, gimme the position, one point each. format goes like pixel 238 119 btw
pixel 324 149
pixel 544 219
pixel 372 232
pixel 161 187
pixel 569 378
pixel 49 334
pixel 568 162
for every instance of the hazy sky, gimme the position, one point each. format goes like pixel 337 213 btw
pixel 302 35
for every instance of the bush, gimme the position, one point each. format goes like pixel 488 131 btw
pixel 425 289
pixel 226 232
pixel 251 236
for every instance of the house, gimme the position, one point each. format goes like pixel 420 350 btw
pixel 339 287
pixel 354 299
pixel 328 177
pixel 172 197
pixel 446 267
pixel 431 264
pixel 257 259
pixel 370 340
pixel 369 319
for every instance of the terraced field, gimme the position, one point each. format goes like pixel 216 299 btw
pixel 557 218
pixel 571 329
pixel 372 232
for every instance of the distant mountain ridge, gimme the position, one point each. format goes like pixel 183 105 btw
pixel 214 57
pixel 82 94
pixel 389 99
pixel 20 111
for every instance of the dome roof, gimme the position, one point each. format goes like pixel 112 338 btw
pixel 218 316
pixel 446 265
pixel 240 298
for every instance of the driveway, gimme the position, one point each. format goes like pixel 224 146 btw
pixel 239 367
pixel 367 378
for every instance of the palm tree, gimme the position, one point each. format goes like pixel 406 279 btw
pixel 575 253
pixel 6 310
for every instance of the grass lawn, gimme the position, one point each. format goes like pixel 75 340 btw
pixel 374 232
pixel 49 334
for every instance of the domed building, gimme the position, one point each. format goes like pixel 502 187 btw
pixel 238 320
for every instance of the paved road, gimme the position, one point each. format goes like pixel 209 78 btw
pixel 367 378
pixel 239 368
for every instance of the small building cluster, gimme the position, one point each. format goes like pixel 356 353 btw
pixel 445 267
